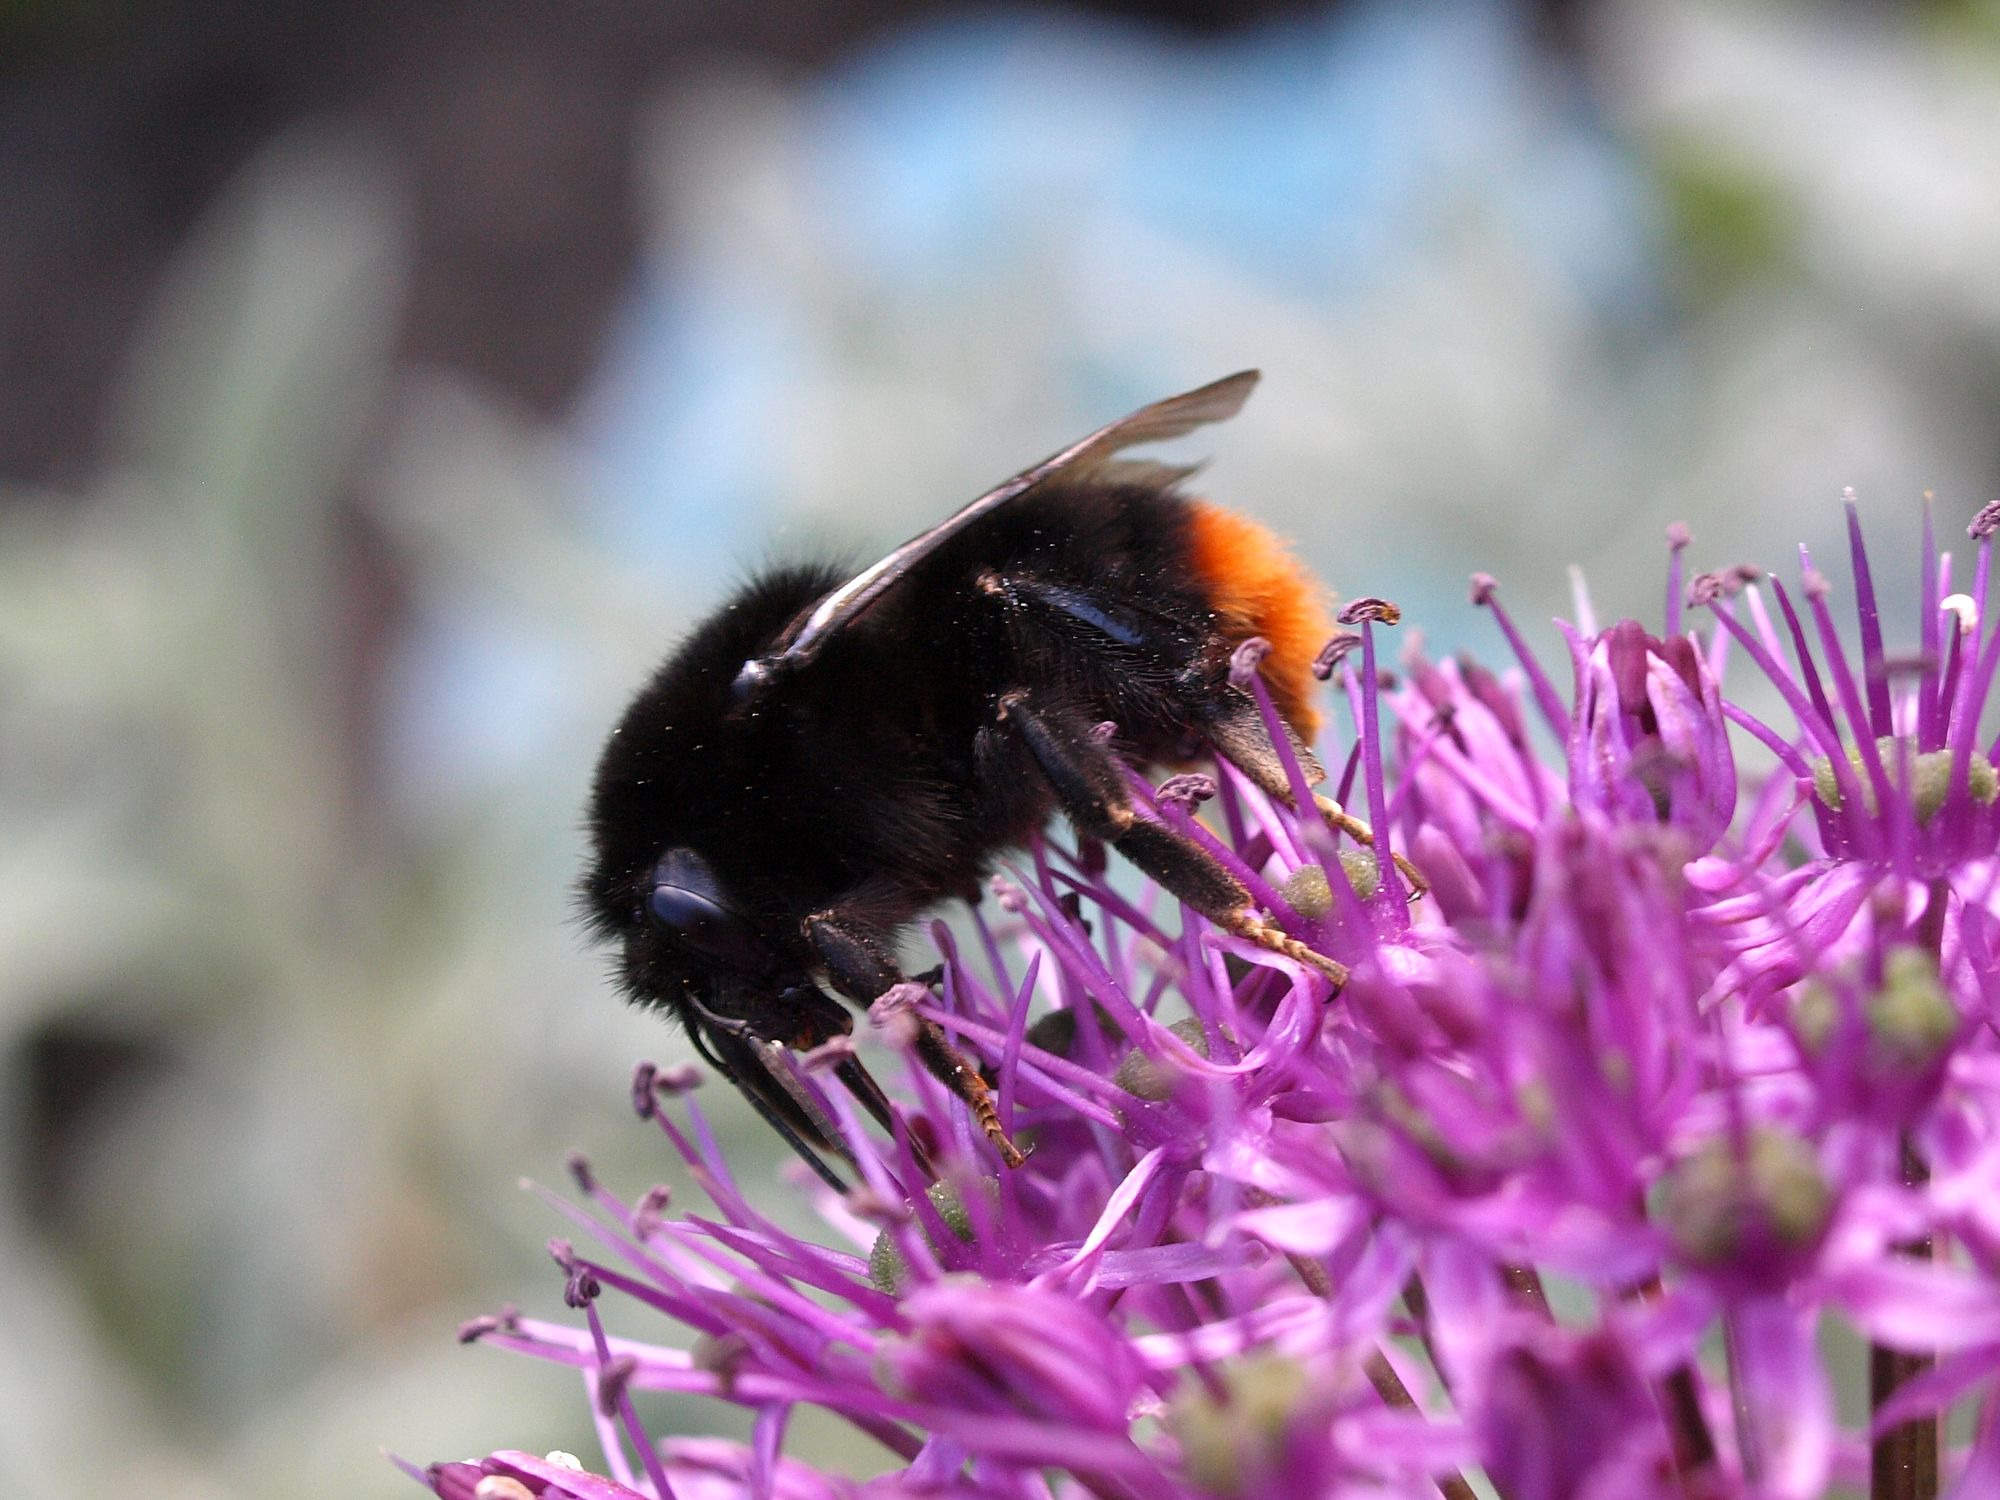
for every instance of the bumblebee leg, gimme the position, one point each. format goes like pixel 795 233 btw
pixel 732 1050
pixel 1087 783
pixel 855 963
pixel 868 1093
pixel 1241 739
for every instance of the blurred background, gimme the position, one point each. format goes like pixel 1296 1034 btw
pixel 385 386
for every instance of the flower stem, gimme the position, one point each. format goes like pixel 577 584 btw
pixel 1418 1304
pixel 1903 1463
pixel 1382 1375
pixel 1389 1386
pixel 1749 1445
pixel 1680 1404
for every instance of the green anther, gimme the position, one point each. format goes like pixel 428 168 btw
pixel 1537 1103
pixel 1308 892
pixel 887 1268
pixel 1359 866
pixel 1616 1066
pixel 1235 1445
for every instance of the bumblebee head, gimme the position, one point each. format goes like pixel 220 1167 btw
pixel 688 940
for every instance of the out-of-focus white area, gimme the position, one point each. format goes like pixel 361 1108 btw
pixel 1516 310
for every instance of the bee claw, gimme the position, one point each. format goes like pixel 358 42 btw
pixel 1341 820
pixel 1010 1153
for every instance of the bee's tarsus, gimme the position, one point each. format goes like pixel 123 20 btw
pixel 1245 923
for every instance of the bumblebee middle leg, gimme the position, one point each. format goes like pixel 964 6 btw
pixel 1088 784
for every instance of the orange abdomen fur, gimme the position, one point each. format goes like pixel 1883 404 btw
pixel 1259 588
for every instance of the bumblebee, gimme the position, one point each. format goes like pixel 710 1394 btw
pixel 827 757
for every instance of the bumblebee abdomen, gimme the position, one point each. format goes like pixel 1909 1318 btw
pixel 1257 587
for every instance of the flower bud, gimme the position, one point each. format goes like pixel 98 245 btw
pixel 1013 1350
pixel 1726 1208
pixel 1654 744
pixel 1911 1019
pixel 1152 1078
pixel 886 1266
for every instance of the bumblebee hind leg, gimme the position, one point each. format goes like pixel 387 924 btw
pixel 1092 792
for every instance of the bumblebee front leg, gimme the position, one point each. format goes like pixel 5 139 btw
pixel 1088 784
pixel 855 962
pixel 1241 739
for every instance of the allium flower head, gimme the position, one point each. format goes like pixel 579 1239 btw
pixel 1704 1058
pixel 1886 746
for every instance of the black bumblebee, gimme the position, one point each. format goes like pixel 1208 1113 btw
pixel 827 757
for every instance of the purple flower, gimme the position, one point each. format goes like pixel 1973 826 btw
pixel 1648 737
pixel 1703 1058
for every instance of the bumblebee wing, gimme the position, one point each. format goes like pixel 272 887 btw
pixel 1171 418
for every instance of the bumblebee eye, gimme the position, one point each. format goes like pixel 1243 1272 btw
pixel 688 899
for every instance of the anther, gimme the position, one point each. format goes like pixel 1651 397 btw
pixel 1333 653
pixel 1723 583
pixel 681 1078
pixel 579 1285
pixel 894 1013
pixel 650 1211
pixel 1189 789
pixel 472 1330
pixel 1246 659
pixel 644 1100
pixel 1381 611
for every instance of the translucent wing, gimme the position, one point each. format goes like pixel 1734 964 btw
pixel 1171 418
